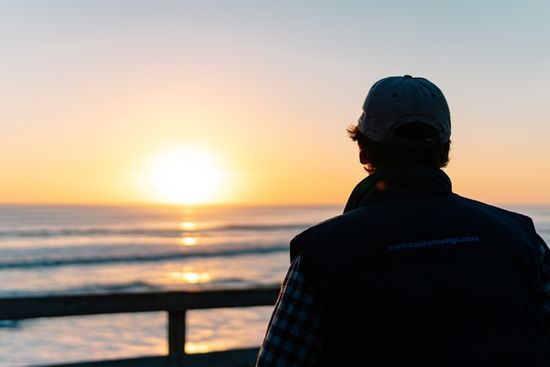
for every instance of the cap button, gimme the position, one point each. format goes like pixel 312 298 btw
pixel 407 76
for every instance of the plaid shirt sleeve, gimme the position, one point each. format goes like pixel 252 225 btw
pixel 293 337
pixel 545 278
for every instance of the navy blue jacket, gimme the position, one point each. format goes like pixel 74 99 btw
pixel 413 274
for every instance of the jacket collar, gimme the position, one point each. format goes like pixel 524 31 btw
pixel 398 182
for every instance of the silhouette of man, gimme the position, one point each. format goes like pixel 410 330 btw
pixel 412 274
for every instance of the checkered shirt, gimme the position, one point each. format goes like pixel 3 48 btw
pixel 293 337
pixel 545 280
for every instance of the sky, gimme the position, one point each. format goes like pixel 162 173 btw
pixel 93 92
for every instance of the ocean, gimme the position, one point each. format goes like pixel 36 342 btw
pixel 100 249
pixel 49 250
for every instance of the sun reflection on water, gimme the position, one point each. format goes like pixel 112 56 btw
pixel 192 348
pixel 191 277
pixel 188 225
pixel 189 241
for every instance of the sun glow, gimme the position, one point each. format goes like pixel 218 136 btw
pixel 185 176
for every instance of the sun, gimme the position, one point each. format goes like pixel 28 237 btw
pixel 185 175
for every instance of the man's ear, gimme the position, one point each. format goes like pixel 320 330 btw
pixel 363 157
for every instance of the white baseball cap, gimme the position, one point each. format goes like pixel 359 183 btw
pixel 398 100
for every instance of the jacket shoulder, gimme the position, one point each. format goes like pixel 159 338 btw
pixel 303 240
pixel 496 211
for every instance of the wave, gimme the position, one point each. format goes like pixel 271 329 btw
pixel 10 324
pixel 137 285
pixel 134 258
pixel 133 286
pixel 141 232
pixel 117 287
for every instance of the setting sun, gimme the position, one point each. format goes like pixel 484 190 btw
pixel 185 176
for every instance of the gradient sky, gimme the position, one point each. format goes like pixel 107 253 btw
pixel 91 90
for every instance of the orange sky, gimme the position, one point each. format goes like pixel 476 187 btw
pixel 92 92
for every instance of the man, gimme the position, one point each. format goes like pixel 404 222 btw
pixel 412 274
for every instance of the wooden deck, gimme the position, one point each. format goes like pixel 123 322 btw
pixel 174 303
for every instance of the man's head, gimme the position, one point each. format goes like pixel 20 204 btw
pixel 405 121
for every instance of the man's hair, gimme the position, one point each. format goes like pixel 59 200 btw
pixel 378 155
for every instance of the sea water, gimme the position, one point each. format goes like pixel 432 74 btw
pixel 47 250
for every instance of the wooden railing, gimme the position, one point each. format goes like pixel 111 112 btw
pixel 174 303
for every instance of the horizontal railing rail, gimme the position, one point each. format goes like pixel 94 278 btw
pixel 176 304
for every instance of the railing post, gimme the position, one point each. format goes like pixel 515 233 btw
pixel 176 333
